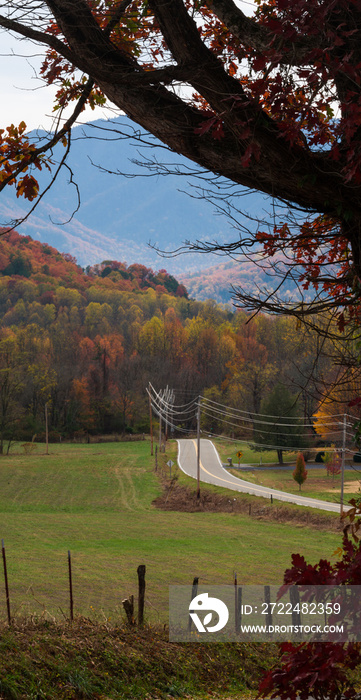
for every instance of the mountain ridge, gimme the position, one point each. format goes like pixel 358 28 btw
pixel 120 216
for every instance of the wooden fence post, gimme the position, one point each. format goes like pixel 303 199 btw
pixel 267 600
pixel 141 593
pixel 194 593
pixel 239 607
pixel 70 587
pixel 295 600
pixel 6 582
pixel 236 609
pixel 128 605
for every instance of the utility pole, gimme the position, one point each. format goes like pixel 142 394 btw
pixel 46 429
pixel 160 427
pixel 172 400
pixel 343 462
pixel 150 422
pixel 198 446
pixel 162 405
pixel 166 414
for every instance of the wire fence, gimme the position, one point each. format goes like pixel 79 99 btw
pixel 63 587
pixel 135 609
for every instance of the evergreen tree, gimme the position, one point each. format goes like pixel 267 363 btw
pixel 282 425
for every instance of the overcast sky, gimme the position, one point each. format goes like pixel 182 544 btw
pixel 23 96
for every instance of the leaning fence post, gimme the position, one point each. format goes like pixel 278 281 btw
pixel 141 593
pixel 239 606
pixel 267 600
pixel 128 605
pixel 6 582
pixel 295 601
pixel 70 587
pixel 194 594
pixel 236 604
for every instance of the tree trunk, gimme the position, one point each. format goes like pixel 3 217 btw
pixel 280 456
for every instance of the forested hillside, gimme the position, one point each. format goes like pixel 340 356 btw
pixel 88 342
pixel 119 216
pixel 221 281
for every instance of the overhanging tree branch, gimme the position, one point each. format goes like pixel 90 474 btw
pixel 257 36
pixel 261 110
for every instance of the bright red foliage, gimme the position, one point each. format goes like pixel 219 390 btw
pixel 317 669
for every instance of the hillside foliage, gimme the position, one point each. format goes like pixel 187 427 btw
pixel 87 343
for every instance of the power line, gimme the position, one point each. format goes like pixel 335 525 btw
pixel 165 420
pixel 167 406
pixel 162 403
pixel 158 394
pixel 163 408
pixel 263 422
pixel 264 446
pixel 265 415
pixel 256 430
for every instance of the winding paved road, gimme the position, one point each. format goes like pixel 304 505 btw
pixel 212 472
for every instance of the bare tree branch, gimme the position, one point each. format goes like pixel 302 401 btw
pixel 40 37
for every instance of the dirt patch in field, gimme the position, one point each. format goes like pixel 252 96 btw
pixel 349 487
pixel 184 499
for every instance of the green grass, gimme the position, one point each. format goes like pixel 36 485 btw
pixel 317 484
pixel 96 500
pixel 228 448
pixel 84 660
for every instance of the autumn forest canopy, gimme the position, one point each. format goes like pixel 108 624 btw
pixel 88 342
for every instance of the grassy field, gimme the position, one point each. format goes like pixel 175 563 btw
pixel 317 484
pixel 228 449
pixel 96 500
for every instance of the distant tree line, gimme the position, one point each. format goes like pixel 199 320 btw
pixel 86 343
